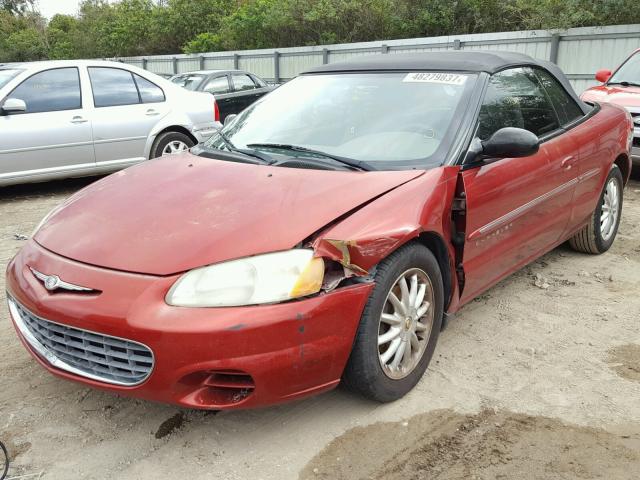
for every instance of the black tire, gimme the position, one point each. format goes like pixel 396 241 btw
pixel 165 139
pixel 590 239
pixel 364 373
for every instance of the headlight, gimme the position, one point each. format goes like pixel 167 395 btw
pixel 269 278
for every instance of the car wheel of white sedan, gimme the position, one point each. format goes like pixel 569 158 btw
pixel 399 327
pixel 171 143
pixel 599 234
pixel 175 147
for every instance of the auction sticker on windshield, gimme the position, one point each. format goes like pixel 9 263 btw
pixel 436 77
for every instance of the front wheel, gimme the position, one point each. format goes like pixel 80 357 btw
pixel 399 327
pixel 599 234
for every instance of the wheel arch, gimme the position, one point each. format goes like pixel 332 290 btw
pixel 624 164
pixel 436 244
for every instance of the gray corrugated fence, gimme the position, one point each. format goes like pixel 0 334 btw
pixel 578 51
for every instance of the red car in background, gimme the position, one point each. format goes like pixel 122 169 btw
pixel 324 235
pixel 621 87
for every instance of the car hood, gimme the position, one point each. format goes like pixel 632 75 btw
pixel 623 96
pixel 180 212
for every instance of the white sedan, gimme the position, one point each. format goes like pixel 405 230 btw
pixel 82 117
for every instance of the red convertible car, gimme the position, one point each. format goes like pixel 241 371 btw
pixel 621 87
pixel 324 235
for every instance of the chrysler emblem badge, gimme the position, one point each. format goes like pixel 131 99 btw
pixel 53 282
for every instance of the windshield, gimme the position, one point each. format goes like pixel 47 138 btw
pixel 6 74
pixel 389 120
pixel 628 72
pixel 189 81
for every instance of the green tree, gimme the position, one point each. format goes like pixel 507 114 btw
pixel 25 45
pixel 63 37
pixel 204 42
pixel 114 28
pixel 16 7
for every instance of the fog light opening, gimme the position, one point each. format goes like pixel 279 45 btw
pixel 229 387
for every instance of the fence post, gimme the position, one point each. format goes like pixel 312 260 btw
pixel 144 63
pixel 384 49
pixel 457 44
pixel 174 63
pixel 325 56
pixel 276 66
pixel 555 47
pixel 201 62
pixel 236 61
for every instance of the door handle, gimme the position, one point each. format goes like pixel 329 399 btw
pixel 568 163
pixel 79 119
pixel 151 112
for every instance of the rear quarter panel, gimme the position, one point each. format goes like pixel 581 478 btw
pixel 602 139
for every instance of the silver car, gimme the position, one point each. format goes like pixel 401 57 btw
pixel 81 117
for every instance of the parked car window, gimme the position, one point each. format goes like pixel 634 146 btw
pixel 7 74
pixel 188 81
pixel 112 87
pixel 50 91
pixel 629 71
pixel 566 107
pixel 258 81
pixel 242 82
pixel 149 92
pixel 218 85
pixel 515 98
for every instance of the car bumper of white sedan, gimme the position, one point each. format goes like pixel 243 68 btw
pixel 203 131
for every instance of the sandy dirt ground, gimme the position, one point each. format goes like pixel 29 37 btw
pixel 539 378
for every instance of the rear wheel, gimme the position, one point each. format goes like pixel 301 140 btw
pixel 598 236
pixel 171 143
pixel 399 327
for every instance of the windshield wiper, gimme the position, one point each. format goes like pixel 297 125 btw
pixel 624 83
pixel 357 164
pixel 252 153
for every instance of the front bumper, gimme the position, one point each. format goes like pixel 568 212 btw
pixel 215 358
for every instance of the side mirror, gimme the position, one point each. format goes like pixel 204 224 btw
pixel 14 105
pixel 507 142
pixel 229 118
pixel 603 75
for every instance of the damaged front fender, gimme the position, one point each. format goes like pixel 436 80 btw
pixel 360 241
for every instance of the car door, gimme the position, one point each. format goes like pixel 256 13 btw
pixel 54 132
pixel 589 152
pixel 126 107
pixel 245 88
pixel 220 88
pixel 516 208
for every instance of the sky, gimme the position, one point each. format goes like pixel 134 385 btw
pixel 48 8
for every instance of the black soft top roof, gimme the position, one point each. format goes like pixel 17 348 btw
pixel 448 61
pixel 489 62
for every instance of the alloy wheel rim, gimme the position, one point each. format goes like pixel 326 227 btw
pixel 405 324
pixel 610 209
pixel 175 147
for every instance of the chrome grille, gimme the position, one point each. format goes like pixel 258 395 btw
pixel 82 352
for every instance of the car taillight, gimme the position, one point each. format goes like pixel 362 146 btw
pixel 216 111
